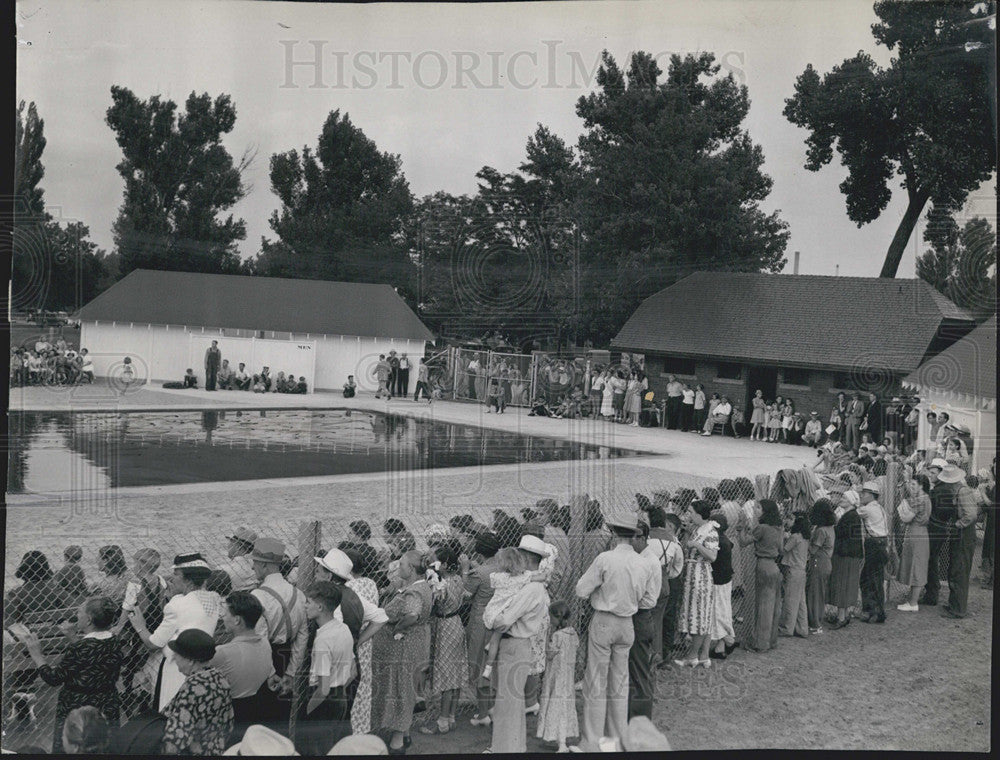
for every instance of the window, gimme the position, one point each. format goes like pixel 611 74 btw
pixel 795 376
pixel 673 365
pixel 729 371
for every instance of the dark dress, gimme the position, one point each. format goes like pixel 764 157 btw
pixel 87 673
pixel 848 557
pixel 200 716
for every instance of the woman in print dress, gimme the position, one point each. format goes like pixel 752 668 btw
pixel 362 585
pixel 698 602
pixel 401 651
pixel 449 670
pixel 607 395
pixel 89 668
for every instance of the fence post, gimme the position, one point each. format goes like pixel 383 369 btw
pixel 310 534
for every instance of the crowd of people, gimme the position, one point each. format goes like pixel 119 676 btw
pixel 48 363
pixel 219 375
pixel 500 611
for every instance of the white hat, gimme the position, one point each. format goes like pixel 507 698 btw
pixel 262 741
pixel 872 487
pixel 852 497
pixel 939 463
pixel 359 744
pixel 533 544
pixel 337 562
pixel 952 474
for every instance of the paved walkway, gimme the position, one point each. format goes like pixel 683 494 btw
pixel 689 453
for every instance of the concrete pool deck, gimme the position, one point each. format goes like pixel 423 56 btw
pixel 707 457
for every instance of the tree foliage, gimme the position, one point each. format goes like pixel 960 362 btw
pixel 343 208
pixel 927 118
pixel 179 178
pixel 672 184
pixel 55 266
pixel 961 262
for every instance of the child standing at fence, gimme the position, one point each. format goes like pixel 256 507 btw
pixel 513 575
pixel 557 719
pixel 505 390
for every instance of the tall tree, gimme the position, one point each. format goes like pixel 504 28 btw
pixel 343 208
pixel 179 178
pixel 55 265
pixel 673 184
pixel 927 118
pixel 961 262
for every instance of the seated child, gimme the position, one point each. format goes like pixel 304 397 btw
pixel 350 387
pixel 190 381
pixel 539 409
pixel 512 577
pixel 258 385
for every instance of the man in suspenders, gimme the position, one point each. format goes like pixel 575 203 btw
pixel 283 621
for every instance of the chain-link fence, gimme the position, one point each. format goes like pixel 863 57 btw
pixel 47 575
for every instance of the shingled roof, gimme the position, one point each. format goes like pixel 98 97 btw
pixel 794 320
pixel 967 367
pixel 257 303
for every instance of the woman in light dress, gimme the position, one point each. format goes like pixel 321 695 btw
pixel 915 511
pixel 757 419
pixel 607 395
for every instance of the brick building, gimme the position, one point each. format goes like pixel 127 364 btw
pixel 805 337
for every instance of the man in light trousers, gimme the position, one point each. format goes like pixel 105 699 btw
pixel 617 583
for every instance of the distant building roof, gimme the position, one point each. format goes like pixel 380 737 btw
pixel 797 320
pixel 257 303
pixel 968 367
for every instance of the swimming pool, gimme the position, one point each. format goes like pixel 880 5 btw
pixel 74 451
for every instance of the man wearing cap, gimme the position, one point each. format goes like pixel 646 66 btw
pixel 617 583
pixel 944 498
pixel 814 430
pixel 962 545
pixel 522 618
pixel 284 618
pixel 640 654
pixel 876 554
pixel 240 564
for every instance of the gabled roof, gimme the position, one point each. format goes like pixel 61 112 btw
pixel 967 367
pixel 797 320
pixel 257 303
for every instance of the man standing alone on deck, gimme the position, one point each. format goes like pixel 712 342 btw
pixel 213 359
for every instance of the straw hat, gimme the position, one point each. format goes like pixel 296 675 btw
pixel 260 741
pixel 245 535
pixel 626 520
pixel 359 744
pixel 194 559
pixel 533 544
pixel 952 474
pixel 337 562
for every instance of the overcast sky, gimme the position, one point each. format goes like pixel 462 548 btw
pixel 450 88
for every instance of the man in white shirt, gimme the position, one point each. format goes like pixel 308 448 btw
pixel 876 554
pixel 719 415
pixel 617 583
pixel 241 379
pixel 814 430
pixel 240 564
pixel 245 662
pixel 284 618
pixel 675 397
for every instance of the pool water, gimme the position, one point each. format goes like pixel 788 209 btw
pixel 74 451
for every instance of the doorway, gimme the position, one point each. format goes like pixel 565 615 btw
pixel 763 378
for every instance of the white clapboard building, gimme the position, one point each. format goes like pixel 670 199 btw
pixel 324 331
